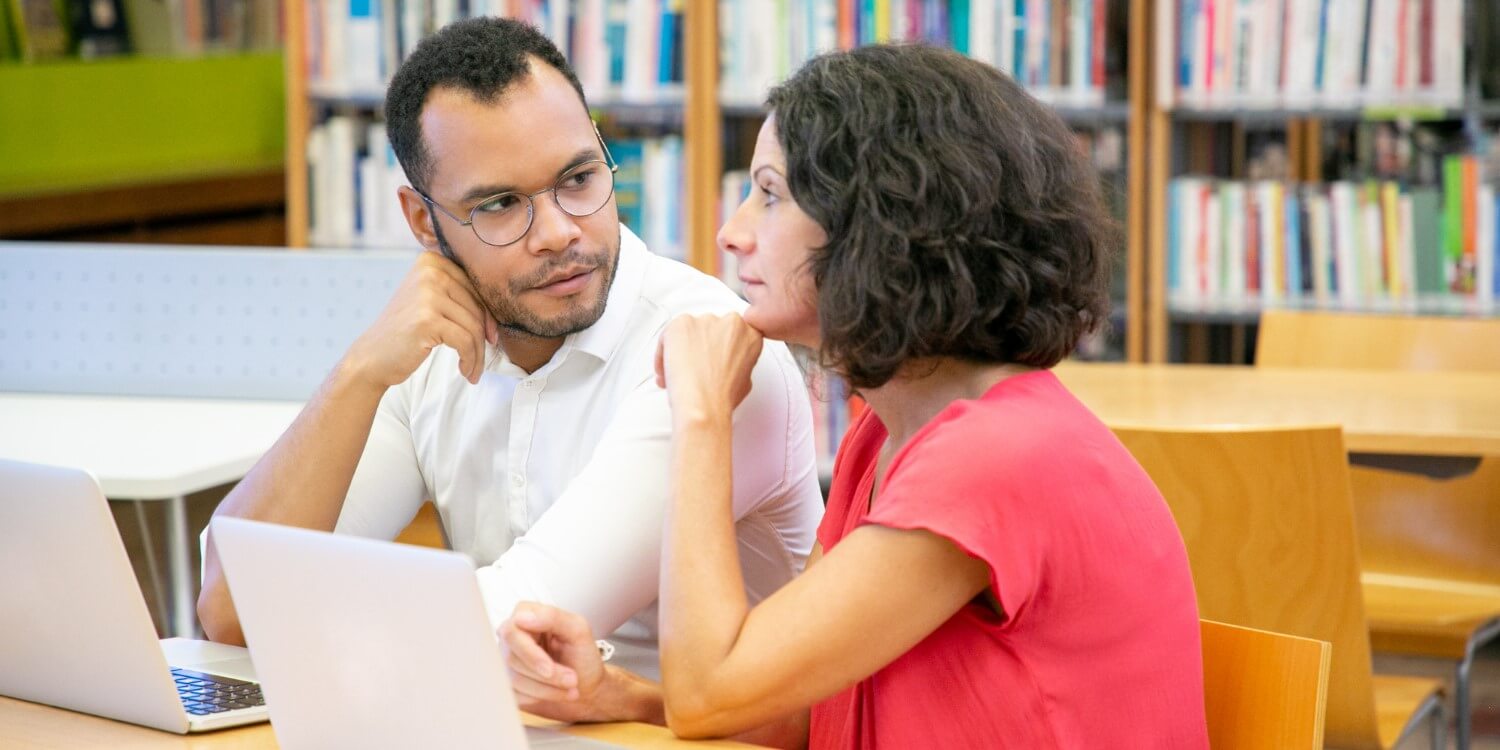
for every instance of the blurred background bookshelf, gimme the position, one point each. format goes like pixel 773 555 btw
pixel 678 87
pixel 1333 154
pixel 142 120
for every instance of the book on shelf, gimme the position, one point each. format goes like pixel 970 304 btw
pixel 1056 49
pixel 173 28
pixel 38 30
pixel 627 51
pixel 1341 244
pixel 835 407
pixel 649 191
pixel 1337 54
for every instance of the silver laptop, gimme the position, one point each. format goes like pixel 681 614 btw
pixel 74 630
pixel 362 643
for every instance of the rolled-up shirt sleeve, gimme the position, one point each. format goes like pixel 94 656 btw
pixel 387 489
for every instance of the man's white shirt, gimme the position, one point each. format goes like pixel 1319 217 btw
pixel 556 483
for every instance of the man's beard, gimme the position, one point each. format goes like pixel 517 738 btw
pixel 515 318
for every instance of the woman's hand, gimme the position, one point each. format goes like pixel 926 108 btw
pixel 704 362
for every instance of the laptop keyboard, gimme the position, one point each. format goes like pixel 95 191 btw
pixel 203 694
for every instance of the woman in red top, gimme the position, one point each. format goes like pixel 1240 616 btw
pixel 995 569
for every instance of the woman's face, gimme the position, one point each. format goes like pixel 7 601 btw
pixel 771 237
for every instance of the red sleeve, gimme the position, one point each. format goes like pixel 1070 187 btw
pixel 960 485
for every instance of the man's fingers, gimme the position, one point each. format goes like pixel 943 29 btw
pixel 464 341
pixel 526 652
pixel 541 691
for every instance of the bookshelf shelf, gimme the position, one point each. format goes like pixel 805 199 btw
pixel 1247 311
pixel 1109 113
pixel 1277 116
pixel 666 102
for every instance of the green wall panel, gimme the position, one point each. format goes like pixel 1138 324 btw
pixel 73 124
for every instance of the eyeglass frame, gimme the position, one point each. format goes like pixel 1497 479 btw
pixel 608 161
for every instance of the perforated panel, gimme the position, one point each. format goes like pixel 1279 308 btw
pixel 205 322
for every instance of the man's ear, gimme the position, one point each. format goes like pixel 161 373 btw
pixel 418 217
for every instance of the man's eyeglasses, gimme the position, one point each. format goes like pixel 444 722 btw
pixel 504 219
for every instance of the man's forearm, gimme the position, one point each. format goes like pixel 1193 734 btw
pixel 301 481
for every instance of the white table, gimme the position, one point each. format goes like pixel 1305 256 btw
pixel 147 449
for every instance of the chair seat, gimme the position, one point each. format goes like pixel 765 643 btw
pixel 1397 701
pixel 1425 616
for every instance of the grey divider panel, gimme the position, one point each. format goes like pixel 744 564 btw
pixel 202 322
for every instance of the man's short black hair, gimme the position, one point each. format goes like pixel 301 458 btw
pixel 481 56
pixel 963 218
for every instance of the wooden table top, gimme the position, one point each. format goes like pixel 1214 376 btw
pixel 1411 413
pixel 32 725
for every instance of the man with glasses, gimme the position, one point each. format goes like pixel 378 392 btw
pixel 511 377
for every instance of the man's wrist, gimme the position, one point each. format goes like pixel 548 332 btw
pixel 350 375
pixel 630 697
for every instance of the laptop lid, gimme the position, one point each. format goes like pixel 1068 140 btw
pixel 360 643
pixel 76 633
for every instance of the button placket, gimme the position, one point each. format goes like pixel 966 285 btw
pixel 522 428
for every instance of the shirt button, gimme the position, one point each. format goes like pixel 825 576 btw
pixel 517 480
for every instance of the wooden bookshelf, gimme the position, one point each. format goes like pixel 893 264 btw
pixel 1172 127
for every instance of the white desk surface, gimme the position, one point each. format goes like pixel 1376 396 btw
pixel 143 448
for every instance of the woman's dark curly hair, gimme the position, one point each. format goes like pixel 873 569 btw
pixel 963 218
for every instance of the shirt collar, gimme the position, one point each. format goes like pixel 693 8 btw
pixel 600 339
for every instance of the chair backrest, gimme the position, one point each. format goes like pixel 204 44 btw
pixel 1408 524
pixel 1299 338
pixel 1263 690
pixel 425 529
pixel 1269 529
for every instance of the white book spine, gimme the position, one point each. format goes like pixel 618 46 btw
pixel 640 49
pixel 1320 234
pixel 1004 45
pixel 826 22
pixel 590 53
pixel 342 146
pixel 1345 251
pixel 1380 79
pixel 1448 72
pixel 1079 50
pixel 982 31
pixel 363 45
pixel 1407 244
pixel 1235 209
pixel 1193 245
pixel 318 188
pixel 1372 246
pixel 1213 252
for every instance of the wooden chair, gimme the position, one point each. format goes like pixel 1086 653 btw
pixel 1355 341
pixel 425 530
pixel 1269 529
pixel 1263 690
pixel 1430 560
